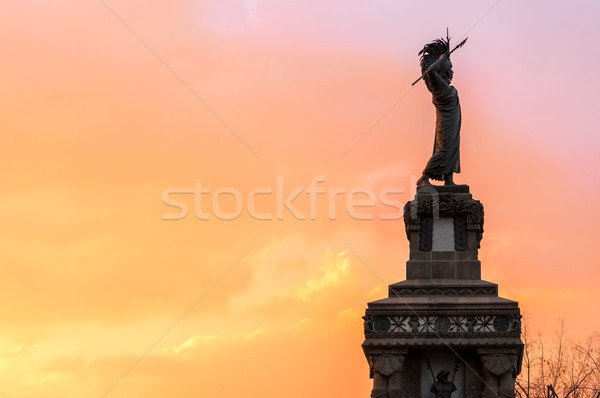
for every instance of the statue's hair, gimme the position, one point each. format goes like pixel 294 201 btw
pixel 432 52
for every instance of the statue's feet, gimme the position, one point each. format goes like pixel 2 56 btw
pixel 423 182
pixel 449 179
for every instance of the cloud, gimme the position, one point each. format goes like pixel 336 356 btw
pixel 231 364
pixel 333 272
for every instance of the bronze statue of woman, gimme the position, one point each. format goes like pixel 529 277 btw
pixel 437 74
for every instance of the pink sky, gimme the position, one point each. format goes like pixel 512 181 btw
pixel 96 126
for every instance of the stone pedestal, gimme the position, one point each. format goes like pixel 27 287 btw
pixel 443 317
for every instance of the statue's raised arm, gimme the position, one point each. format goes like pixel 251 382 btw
pixel 434 75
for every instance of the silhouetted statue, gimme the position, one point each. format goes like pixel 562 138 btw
pixel 437 73
pixel 443 388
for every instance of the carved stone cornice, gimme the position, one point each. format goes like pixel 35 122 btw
pixel 455 325
pixel 399 291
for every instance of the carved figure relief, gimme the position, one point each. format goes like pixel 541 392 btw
pixel 442 387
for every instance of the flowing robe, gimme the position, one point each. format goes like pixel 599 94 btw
pixel 446 156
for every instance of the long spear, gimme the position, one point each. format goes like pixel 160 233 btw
pixel 428 365
pixel 456 367
pixel 459 45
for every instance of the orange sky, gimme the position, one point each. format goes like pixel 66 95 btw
pixel 96 126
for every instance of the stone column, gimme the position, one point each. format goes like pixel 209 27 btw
pixel 507 385
pixel 499 371
pixel 387 373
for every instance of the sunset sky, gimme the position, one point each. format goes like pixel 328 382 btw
pixel 108 104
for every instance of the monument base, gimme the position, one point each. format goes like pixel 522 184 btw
pixel 443 332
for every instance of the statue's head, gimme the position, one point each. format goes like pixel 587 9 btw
pixel 432 52
pixel 443 375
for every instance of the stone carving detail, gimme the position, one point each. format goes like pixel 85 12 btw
pixel 382 324
pixel 517 322
pixel 443 291
pixel 448 205
pixel 443 323
pixel 446 325
pixel 386 364
pixel 501 323
pixel 387 374
pixel 498 364
pixel 426 234
pixel 443 205
pixel 499 371
pixel 461 242
pixel 412 376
